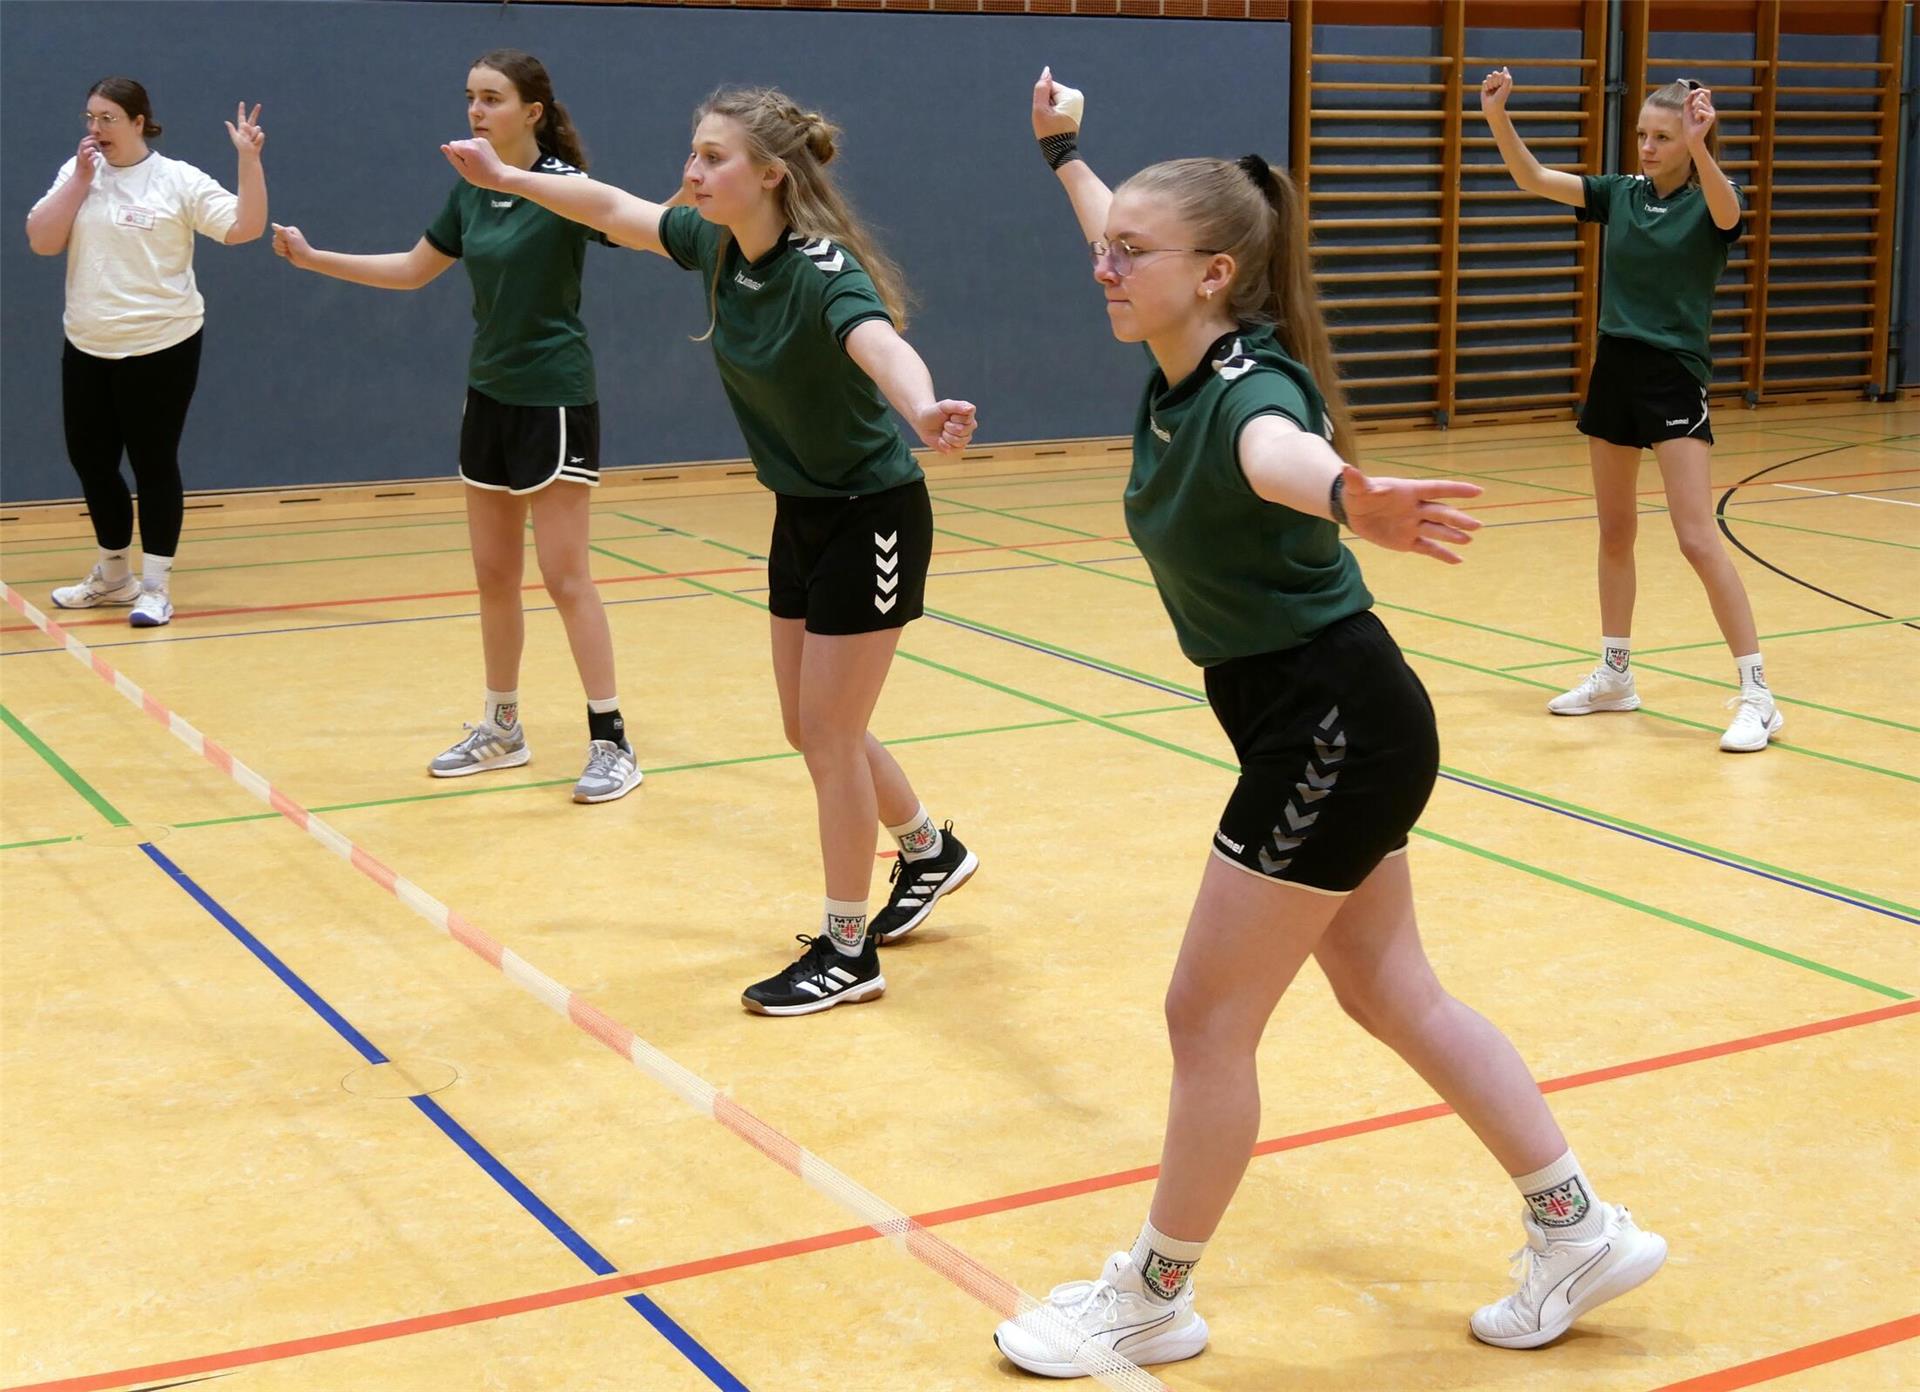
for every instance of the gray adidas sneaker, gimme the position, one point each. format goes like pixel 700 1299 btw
pixel 611 772
pixel 486 746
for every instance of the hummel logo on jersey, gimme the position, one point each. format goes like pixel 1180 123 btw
pixel 502 202
pixel 822 253
pixel 1681 421
pixel 1655 208
pixel 739 279
pixel 1159 434
pixel 1235 364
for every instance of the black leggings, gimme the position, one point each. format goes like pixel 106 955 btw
pixel 137 405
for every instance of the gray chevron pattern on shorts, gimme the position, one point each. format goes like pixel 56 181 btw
pixel 1301 811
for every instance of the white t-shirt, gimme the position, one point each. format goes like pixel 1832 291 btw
pixel 130 287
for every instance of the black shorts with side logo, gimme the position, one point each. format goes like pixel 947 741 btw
pixel 1639 395
pixel 851 565
pixel 522 449
pixel 1338 754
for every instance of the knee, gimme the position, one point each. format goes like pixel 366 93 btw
pixel 1617 536
pixel 795 737
pixel 496 577
pixel 824 741
pixel 567 584
pixel 1202 1030
pixel 1701 547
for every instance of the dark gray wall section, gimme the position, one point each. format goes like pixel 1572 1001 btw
pixel 308 380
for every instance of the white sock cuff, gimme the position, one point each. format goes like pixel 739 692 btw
pixel 1548 1175
pixel 848 908
pixel 1171 1247
pixel 913 823
pixel 1561 1200
pixel 606 707
pixel 155 569
pixel 503 698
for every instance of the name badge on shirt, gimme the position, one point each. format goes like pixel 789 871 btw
pixel 133 215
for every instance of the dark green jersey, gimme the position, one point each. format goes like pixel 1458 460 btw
pixel 1239 575
pixel 529 346
pixel 1664 257
pixel 816 426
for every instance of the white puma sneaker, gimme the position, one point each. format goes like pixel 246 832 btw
pixel 1556 1281
pixel 1114 1314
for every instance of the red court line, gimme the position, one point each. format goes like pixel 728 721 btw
pixel 706 1266
pixel 119 620
pixel 1661 492
pixel 1800 1359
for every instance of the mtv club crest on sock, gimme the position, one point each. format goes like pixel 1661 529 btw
pixel 1164 1276
pixel 1617 659
pixel 920 840
pixel 846 929
pixel 1759 675
pixel 1561 1206
pixel 507 715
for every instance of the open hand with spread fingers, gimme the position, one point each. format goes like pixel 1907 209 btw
pixel 1407 514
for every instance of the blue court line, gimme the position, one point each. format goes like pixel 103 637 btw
pixel 591 1258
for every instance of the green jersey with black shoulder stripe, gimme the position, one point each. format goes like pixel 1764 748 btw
pixel 529 346
pixel 1664 258
pixel 815 424
pixel 1239 575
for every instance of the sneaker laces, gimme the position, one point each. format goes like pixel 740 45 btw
pixel 1078 1299
pixel 1757 697
pixel 603 758
pixel 1521 1264
pixel 819 955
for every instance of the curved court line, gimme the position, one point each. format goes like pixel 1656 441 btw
pixel 1720 642
pixel 1799 1360
pixel 1726 530
pixel 939 1256
pixel 845 1237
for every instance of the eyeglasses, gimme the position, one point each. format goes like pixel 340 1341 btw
pixel 106 119
pixel 1123 256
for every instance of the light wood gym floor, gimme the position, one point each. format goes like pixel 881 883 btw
pixel 1712 958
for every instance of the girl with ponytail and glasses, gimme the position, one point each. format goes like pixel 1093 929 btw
pixel 804 314
pixel 530 433
pixel 1239 489
pixel 1668 231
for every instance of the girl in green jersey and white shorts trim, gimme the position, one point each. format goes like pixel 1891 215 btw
pixel 1668 231
pixel 530 431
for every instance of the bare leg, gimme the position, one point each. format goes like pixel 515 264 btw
pixel 560 527
pixel 1616 468
pixel 1245 941
pixel 1379 973
pixel 1686 466
pixel 840 681
pixel 494 523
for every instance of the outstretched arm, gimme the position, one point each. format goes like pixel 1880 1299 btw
pixel 248 139
pixel 399 270
pixel 625 219
pixel 902 376
pixel 1527 171
pixel 1090 197
pixel 1285 464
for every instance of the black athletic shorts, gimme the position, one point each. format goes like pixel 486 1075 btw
pixel 851 565
pixel 1639 395
pixel 522 449
pixel 1338 754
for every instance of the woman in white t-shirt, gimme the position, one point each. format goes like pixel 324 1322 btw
pixel 126 216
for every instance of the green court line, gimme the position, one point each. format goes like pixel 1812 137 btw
pixel 1484 628
pixel 1793 959
pixel 689 536
pixel 1107 723
pixel 1016 517
pixel 1783 700
pixel 563 782
pixel 1041 556
pixel 1593 813
pixel 1483 475
pixel 43 841
pixel 1508 861
pixel 1791 633
pixel 64 769
pixel 321 560
pixel 193 539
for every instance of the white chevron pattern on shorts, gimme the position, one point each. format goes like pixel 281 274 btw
pixel 886 561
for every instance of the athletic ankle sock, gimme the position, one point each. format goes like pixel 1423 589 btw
pixel 1560 1197
pixel 1165 1263
pixel 1752 674
pixel 604 722
pixel 844 924
pixel 114 566
pixel 155 571
pixel 503 708
pixel 919 838
pixel 1616 654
